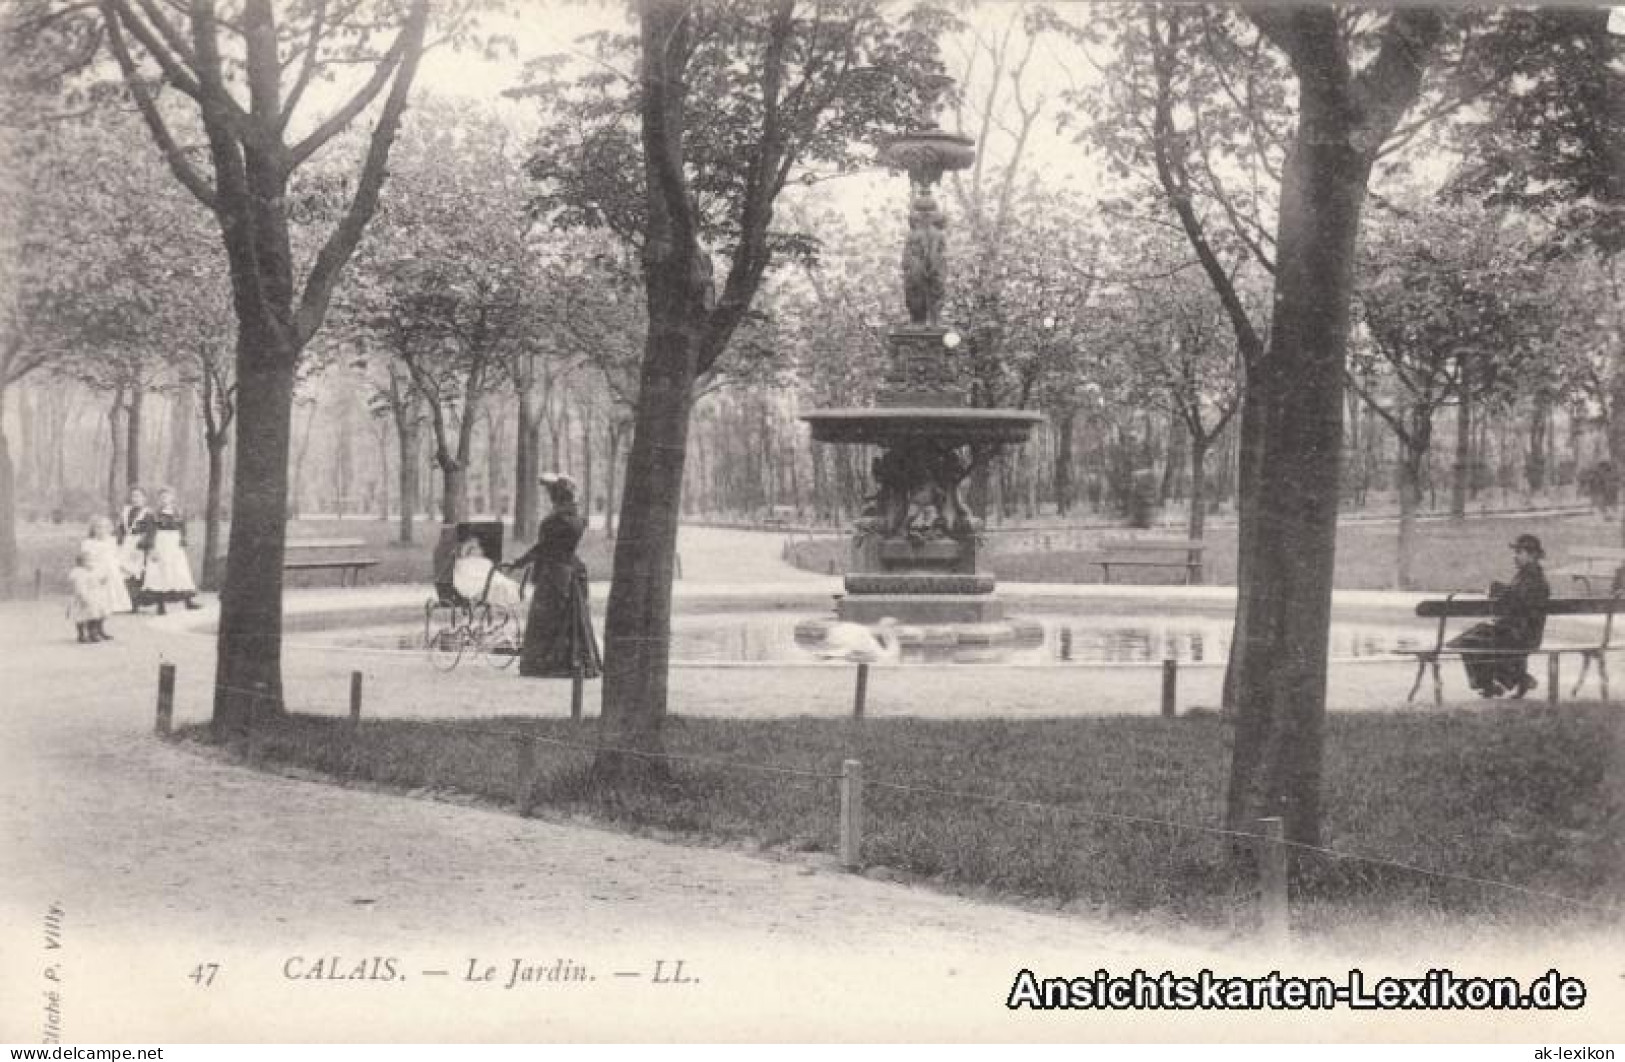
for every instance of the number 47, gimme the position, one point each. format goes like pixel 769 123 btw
pixel 203 974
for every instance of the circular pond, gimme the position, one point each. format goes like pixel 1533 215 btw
pixel 1061 639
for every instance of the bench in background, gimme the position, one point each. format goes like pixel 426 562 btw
pixel 1479 607
pixel 1594 569
pixel 1149 553
pixel 327 554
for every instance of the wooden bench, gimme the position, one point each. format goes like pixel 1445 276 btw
pixel 333 554
pixel 1594 569
pixel 1150 553
pixel 1480 607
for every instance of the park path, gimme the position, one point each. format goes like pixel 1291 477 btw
pixel 147 863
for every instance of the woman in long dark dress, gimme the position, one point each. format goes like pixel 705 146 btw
pixel 558 633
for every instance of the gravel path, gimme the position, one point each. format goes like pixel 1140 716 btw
pixel 146 862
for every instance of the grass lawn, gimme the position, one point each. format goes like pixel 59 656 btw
pixel 1112 815
pixel 1448 556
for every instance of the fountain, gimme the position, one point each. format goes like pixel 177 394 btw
pixel 915 550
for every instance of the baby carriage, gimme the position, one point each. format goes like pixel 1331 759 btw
pixel 476 609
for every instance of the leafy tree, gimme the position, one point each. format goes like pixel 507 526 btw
pixel 783 86
pixel 446 277
pixel 1451 303
pixel 75 274
pixel 1201 104
pixel 1548 135
pixel 240 73
pixel 1175 351
pixel 1357 76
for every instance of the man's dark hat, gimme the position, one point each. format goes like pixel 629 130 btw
pixel 1529 543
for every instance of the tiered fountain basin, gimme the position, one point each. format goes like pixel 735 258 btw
pixel 933 584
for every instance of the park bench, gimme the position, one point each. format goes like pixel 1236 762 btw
pixel 327 554
pixel 1149 553
pixel 1594 569
pixel 1481 607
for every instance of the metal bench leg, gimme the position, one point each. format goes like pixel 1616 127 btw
pixel 1438 686
pixel 1421 669
pixel 1554 672
pixel 1602 673
pixel 1585 669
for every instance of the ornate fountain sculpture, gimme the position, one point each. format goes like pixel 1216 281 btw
pixel 915 549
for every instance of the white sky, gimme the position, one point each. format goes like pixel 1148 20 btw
pixel 545 27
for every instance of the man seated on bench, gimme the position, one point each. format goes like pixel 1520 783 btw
pixel 1519 624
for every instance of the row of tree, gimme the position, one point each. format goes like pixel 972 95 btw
pixel 1230 273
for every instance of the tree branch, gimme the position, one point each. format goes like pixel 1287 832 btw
pixel 184 171
pixel 363 97
pixel 342 243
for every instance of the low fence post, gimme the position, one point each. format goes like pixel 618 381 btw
pixel 1274 923
pixel 1553 671
pixel 525 776
pixel 1170 688
pixel 851 814
pixel 352 737
pixel 355 701
pixel 860 691
pixel 577 681
pixel 166 700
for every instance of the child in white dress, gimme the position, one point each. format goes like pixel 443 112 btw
pixel 168 573
pixel 104 552
pixel 87 607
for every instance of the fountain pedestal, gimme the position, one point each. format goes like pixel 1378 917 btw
pixel 914 553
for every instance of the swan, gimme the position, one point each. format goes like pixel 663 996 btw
pixel 860 644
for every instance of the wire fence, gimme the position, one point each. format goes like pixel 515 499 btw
pixel 516 775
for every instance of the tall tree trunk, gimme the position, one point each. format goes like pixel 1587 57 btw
pixel 249 649
pixel 1065 424
pixel 1410 493
pixel 1614 427
pixel 1174 466
pixel 344 479
pixel 28 467
pixel 1462 471
pixel 211 511
pixel 118 466
pixel 637 624
pixel 494 500
pixel 297 497
pixel 588 486
pixel 611 472
pixel 454 485
pixel 381 434
pixel 527 466
pixel 1196 525
pixel 132 427
pixel 408 434
pixel 1296 414
pixel 182 438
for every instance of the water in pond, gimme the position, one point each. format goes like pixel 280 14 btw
pixel 769 637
